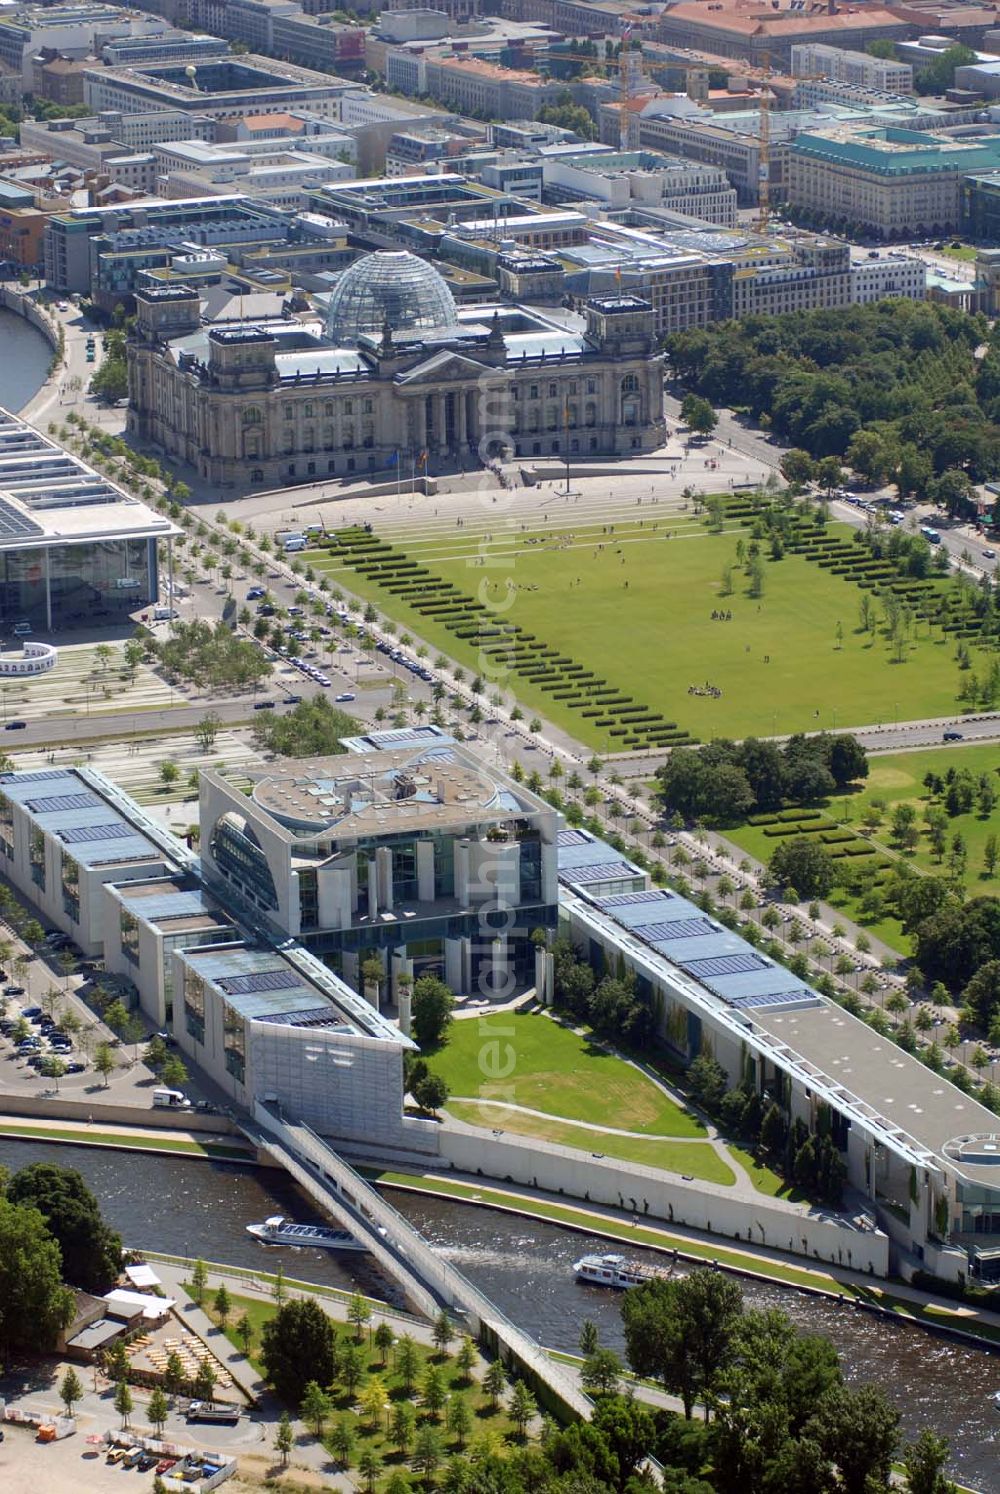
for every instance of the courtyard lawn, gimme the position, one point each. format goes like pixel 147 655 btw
pixel 697 1159
pixel 635 606
pixel 536 1063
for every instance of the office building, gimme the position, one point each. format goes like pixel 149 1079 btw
pixel 396 368
pixel 616 179
pixel 424 859
pixel 893 182
pixel 811 60
pixel 765 31
pixel 70 31
pixel 74 547
pixel 224 89
pixel 67 832
pixel 919 1149
pixel 265 171
pixel 879 273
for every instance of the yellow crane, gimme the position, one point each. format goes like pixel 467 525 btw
pixel 764 151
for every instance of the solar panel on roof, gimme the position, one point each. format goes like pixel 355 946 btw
pixel 80 835
pixel 14 524
pixel 59 802
pixel 43 777
pixel 605 871
pixel 731 964
pixel 681 928
pixel 629 899
pixel 260 980
pixel 802 997
pixel 572 838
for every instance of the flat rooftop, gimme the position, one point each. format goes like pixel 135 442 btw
pixel 289 988
pixel 175 905
pixel 891 1094
pixel 67 805
pixel 386 791
pixel 49 498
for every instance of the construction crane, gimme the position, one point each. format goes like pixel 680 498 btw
pixel 764 151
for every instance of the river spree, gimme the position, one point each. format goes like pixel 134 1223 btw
pixel 191 1208
pixel 24 361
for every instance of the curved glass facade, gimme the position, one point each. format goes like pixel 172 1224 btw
pixel 391 286
pixel 242 862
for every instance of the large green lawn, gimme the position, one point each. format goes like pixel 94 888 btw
pixel 534 1062
pixel 780 663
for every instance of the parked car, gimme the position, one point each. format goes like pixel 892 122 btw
pixel 344 697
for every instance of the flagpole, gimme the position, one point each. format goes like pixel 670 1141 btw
pixel 397 471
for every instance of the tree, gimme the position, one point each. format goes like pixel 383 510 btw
pixel 858 1430
pixel 433 1393
pixel 315 1407
pixel 444 1330
pixel 459 1419
pixel 297 1345
pixel 173 1373
pixel 407 1362
pixel 432 1006
pixel 105 1061
pixel 590 1338
pixel 924 1462
pixel 359 1313
pixel 155 1055
pixel 284 1437
pixel 169 772
pixel 174 1072
pixel 374 1399
pixel 803 864
pixel 430 1092
pixel 522 1407
pixel 402 1425
pixel 427 1452
pixel 601 1372
pixel 123 1402
pixel 369 1468
pixel 698 415
pixel 465 1358
pixel 223 1305
pixel 797 467
pixel 91 1251
pixel 384 1339
pixel 352 1366
pixel 207 730
pixel 629 1431
pixel 157 1410
pixel 204 1381
pixel 244 1332
pixel 71 1390
pixel 679 1331
pixel 199 1281
pixel 342 1443
pixel 495 1381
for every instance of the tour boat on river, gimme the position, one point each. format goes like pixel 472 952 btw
pixel 616 1271
pixel 281 1231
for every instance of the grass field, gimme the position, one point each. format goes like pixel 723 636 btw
pixel 544 1066
pixel 897 778
pixel 698 1159
pixel 763 1178
pixel 639 612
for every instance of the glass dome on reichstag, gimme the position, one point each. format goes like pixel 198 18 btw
pixel 391 286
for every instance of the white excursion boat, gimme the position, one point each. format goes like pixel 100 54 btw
pixel 281 1231
pixel 616 1271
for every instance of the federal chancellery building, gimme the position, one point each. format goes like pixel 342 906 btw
pixel 393 372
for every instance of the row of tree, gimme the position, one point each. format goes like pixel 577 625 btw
pixel 725 781
pixel 612 1005
pixel 811 1162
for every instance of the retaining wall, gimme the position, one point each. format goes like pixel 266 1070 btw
pixel 762 1221
pixel 105 1113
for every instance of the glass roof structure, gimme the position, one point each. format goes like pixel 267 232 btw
pixel 391 286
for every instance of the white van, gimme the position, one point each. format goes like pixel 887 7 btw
pixel 294 542
pixel 170 1099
